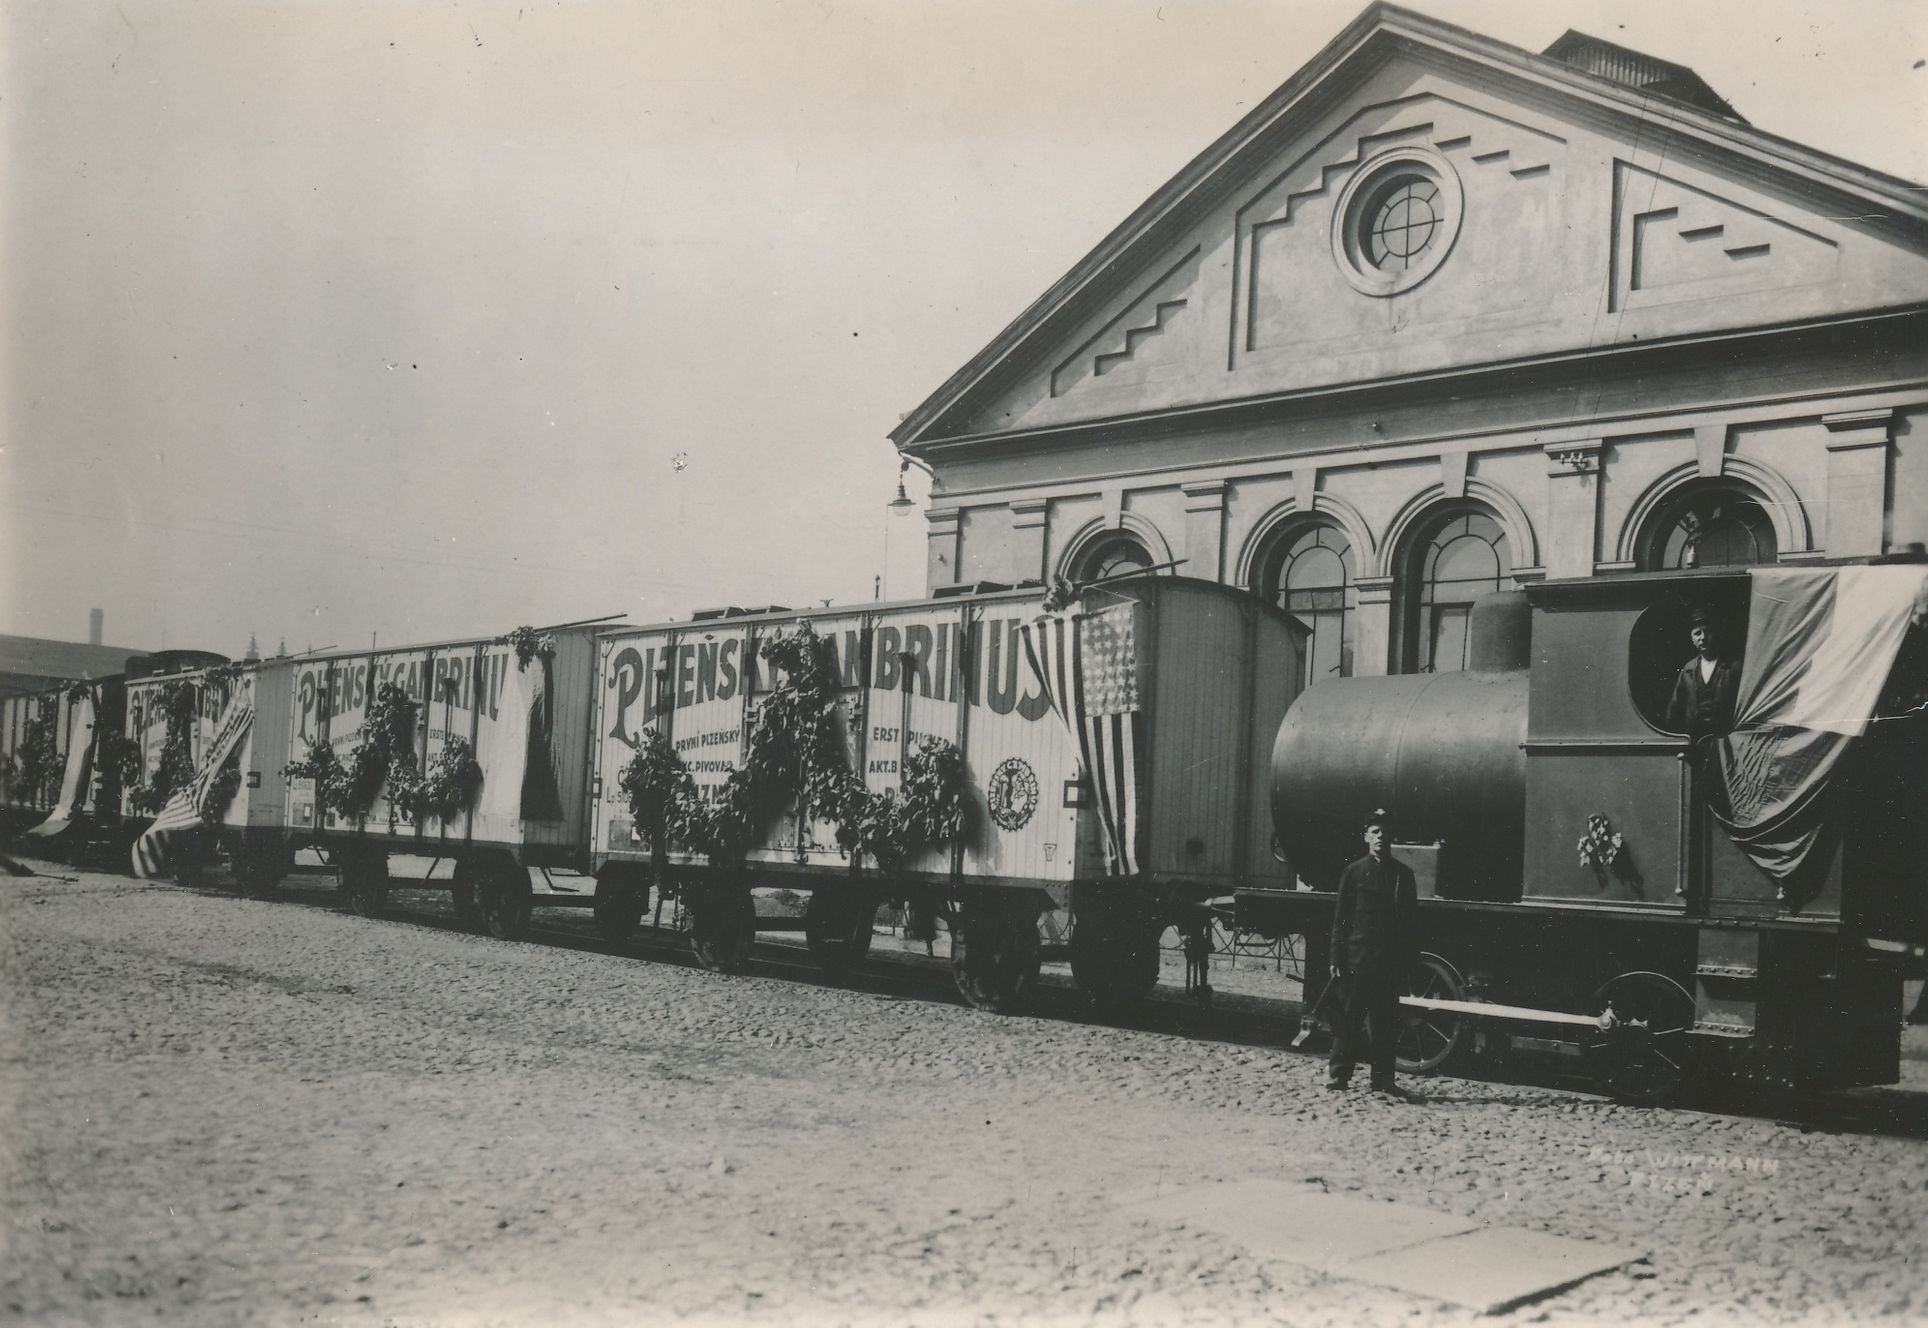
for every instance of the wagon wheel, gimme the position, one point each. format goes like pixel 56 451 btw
pixel 722 926
pixel 190 854
pixel 462 892
pixel 622 897
pixel 505 899
pixel 1428 1038
pixel 361 879
pixel 260 864
pixel 837 926
pixel 996 955
pixel 1114 948
pixel 1643 1050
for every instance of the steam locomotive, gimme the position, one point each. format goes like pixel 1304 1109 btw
pixel 1597 883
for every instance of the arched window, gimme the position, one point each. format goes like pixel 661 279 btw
pixel 1308 573
pixel 1114 555
pixel 1709 525
pixel 1459 557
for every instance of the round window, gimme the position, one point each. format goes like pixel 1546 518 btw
pixel 1396 220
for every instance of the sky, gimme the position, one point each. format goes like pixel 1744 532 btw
pixel 329 321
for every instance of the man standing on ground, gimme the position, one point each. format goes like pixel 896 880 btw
pixel 1374 946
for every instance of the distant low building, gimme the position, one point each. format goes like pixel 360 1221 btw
pixel 32 663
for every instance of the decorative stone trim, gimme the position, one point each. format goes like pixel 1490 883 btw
pixel 1573 458
pixel 1374 589
pixel 1205 495
pixel 1859 428
pixel 1029 513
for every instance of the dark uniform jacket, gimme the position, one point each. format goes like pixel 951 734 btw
pixel 1704 708
pixel 1375 923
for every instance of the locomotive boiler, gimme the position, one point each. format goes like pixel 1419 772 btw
pixel 1594 881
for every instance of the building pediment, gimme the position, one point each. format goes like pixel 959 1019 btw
pixel 1420 200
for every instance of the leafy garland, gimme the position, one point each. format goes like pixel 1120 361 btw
pixel 529 643
pixel 174 770
pixel 118 759
pixel 178 701
pixel 795 750
pixel 384 754
pixel 36 769
pixel 450 782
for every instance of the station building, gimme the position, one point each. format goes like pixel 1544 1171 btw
pixel 1443 316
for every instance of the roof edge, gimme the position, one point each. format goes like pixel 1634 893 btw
pixel 1381 20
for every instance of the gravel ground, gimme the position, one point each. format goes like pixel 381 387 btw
pixel 231 1112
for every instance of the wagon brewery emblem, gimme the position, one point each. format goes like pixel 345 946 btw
pixel 1012 794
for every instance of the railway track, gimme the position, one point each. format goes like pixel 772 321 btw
pixel 1236 1019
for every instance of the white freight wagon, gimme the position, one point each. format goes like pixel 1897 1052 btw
pixel 522 712
pixel 1114 761
pixel 35 733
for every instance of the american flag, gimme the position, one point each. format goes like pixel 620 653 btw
pixel 153 851
pixel 1088 665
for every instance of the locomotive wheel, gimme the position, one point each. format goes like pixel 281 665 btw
pixel 1114 949
pixel 1645 1051
pixel 837 926
pixel 722 926
pixel 1428 1038
pixel 361 879
pixel 996 955
pixel 504 899
pixel 621 900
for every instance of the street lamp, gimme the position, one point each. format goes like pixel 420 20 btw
pixel 896 507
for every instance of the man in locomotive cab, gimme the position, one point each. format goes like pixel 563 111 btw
pixel 1702 705
pixel 1374 945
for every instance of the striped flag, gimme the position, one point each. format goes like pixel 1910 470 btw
pixel 1087 663
pixel 1821 643
pixel 79 769
pixel 153 851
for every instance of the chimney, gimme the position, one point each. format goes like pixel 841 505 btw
pixel 94 617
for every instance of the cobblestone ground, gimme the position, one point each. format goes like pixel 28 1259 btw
pixel 230 1112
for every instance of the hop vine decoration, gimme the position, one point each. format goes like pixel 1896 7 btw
pixel 222 790
pixel 384 753
pixel 118 758
pixel 796 751
pixel 528 643
pixel 450 782
pixel 174 770
pixel 1062 594
pixel 36 771
pixel 1601 847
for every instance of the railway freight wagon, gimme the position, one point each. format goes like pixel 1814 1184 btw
pixel 49 777
pixel 220 735
pixel 33 754
pixel 500 725
pixel 1108 758
pixel 1594 882
pixel 175 720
